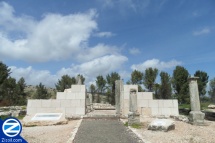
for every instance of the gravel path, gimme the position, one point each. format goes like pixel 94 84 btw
pixel 104 131
pixel 49 134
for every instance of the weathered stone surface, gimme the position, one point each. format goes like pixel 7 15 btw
pixel 27 121
pixel 133 118
pixel 133 100
pixel 118 85
pixel 161 125
pixel 211 106
pixel 180 118
pixel 196 117
pixel 100 106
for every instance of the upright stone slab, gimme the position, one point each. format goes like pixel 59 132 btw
pixel 78 80
pixel 133 115
pixel 196 117
pixel 117 95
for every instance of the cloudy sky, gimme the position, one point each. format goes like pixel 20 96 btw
pixel 43 40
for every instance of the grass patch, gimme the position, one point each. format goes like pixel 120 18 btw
pixel 136 126
pixel 204 105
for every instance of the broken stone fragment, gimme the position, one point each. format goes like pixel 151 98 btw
pixel 161 125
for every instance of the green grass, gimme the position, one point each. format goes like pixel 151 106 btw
pixel 204 105
pixel 136 126
pixel 3 117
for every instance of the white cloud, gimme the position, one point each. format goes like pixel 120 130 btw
pixel 91 69
pixel 134 51
pixel 155 63
pixel 202 32
pixel 104 34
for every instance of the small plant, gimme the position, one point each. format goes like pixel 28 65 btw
pixel 126 124
pixel 136 126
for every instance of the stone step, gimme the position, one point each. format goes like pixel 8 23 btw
pixel 108 117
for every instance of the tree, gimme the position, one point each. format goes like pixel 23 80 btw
pixel 4 72
pixel 149 78
pixel 211 91
pixel 157 91
pixel 136 77
pixel 92 90
pixel 65 82
pixel 111 78
pixel 100 83
pixel 41 92
pixel 20 89
pixel 180 84
pixel 165 86
pixel 202 82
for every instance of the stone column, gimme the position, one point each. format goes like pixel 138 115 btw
pixel 117 95
pixel 133 115
pixel 196 117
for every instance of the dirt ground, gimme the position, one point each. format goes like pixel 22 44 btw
pixel 49 134
pixel 183 133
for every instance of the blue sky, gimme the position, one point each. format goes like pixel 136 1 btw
pixel 43 40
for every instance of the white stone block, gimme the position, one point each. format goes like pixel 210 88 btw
pixel 46 103
pixel 126 95
pixel 83 102
pixel 75 103
pixel 155 111
pixel 142 103
pixel 65 103
pixel 61 110
pixel 55 103
pixel 160 103
pixel 45 110
pixel 166 111
pixel 80 111
pixel 174 111
pixel 83 88
pixel 168 103
pixel 31 111
pixel 175 103
pixel 70 95
pixel 153 103
pixel 126 103
pixel 61 95
pixel 70 110
pixel 148 95
pixel 76 88
pixel 80 96
pixel 36 103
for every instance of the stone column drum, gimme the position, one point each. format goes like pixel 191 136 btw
pixel 133 115
pixel 196 117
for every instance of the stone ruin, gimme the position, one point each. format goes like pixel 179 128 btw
pixel 196 117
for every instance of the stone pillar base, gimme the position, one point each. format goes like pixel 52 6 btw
pixel 133 118
pixel 196 118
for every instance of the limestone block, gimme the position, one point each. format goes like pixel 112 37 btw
pixel 143 103
pixel 46 103
pixel 155 111
pixel 61 110
pixel 80 96
pixel 70 95
pixel 70 110
pixel 165 111
pixel 160 103
pixel 162 125
pixel 76 88
pixel 65 103
pixel 45 110
pixel 30 103
pixel 196 117
pixel 126 103
pixel 175 103
pixel 55 103
pixel 36 103
pixel 146 111
pixel 83 102
pixel 31 111
pixel 126 95
pixel 168 103
pixel 83 88
pixel 80 111
pixel 153 103
pixel 144 95
pixel 175 111
pixel 75 103
pixel 61 95
pixel 128 87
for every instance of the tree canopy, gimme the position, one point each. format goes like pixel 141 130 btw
pixel 202 81
pixel 149 77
